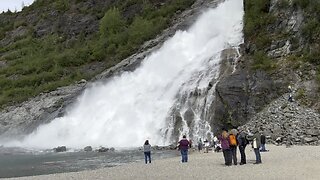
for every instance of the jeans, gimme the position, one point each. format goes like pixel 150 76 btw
pixel 184 155
pixel 242 150
pixel 146 156
pixel 263 147
pixel 227 157
pixel 234 154
pixel 258 156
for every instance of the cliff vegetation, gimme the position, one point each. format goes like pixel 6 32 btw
pixel 55 43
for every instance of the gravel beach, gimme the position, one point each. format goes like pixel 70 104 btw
pixel 298 162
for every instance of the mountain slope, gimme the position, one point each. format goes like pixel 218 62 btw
pixel 55 43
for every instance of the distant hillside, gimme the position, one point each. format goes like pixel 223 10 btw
pixel 55 43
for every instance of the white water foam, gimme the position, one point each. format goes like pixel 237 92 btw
pixel 132 107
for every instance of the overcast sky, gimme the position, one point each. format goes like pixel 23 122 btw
pixel 13 4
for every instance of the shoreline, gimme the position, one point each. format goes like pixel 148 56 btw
pixel 296 162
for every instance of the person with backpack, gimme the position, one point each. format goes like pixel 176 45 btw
pixel 183 147
pixel 242 142
pixel 147 151
pixel 233 145
pixel 225 145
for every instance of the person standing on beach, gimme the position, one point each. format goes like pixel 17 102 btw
pixel 225 145
pixel 200 145
pixel 263 143
pixel 242 142
pixel 233 145
pixel 256 142
pixel 183 147
pixel 147 151
pixel 206 146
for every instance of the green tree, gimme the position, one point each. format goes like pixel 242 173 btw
pixel 111 23
pixel 140 30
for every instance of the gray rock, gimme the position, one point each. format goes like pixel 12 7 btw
pixel 88 149
pixel 3 64
pixel 26 117
pixel 82 81
pixel 310 139
pixel 103 149
pixel 313 132
pixel 60 149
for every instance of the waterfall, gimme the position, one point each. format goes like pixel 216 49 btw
pixel 139 105
pixel 189 114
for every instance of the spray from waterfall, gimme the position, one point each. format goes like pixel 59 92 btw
pixel 135 106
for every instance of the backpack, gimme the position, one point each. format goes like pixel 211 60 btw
pixel 242 140
pixel 233 141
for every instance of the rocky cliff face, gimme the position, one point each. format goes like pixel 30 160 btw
pixel 254 84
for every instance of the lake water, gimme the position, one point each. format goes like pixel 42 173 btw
pixel 16 162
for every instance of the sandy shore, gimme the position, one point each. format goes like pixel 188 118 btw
pixel 298 162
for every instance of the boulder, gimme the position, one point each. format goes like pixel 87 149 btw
pixel 60 149
pixel 112 149
pixel 172 147
pixel 82 81
pixel 88 149
pixel 310 139
pixel 103 149
pixel 313 132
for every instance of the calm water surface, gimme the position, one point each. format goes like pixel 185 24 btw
pixel 16 162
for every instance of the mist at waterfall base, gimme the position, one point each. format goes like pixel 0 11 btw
pixel 132 107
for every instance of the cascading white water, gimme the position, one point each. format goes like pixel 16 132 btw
pixel 134 106
pixel 193 103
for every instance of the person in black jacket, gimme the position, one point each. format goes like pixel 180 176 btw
pixel 242 142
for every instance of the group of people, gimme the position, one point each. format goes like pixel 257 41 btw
pixel 232 140
pixel 229 142
pixel 205 144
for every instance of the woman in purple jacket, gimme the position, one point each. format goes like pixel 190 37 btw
pixel 183 147
pixel 225 145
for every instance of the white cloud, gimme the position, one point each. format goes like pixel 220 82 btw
pixel 13 4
